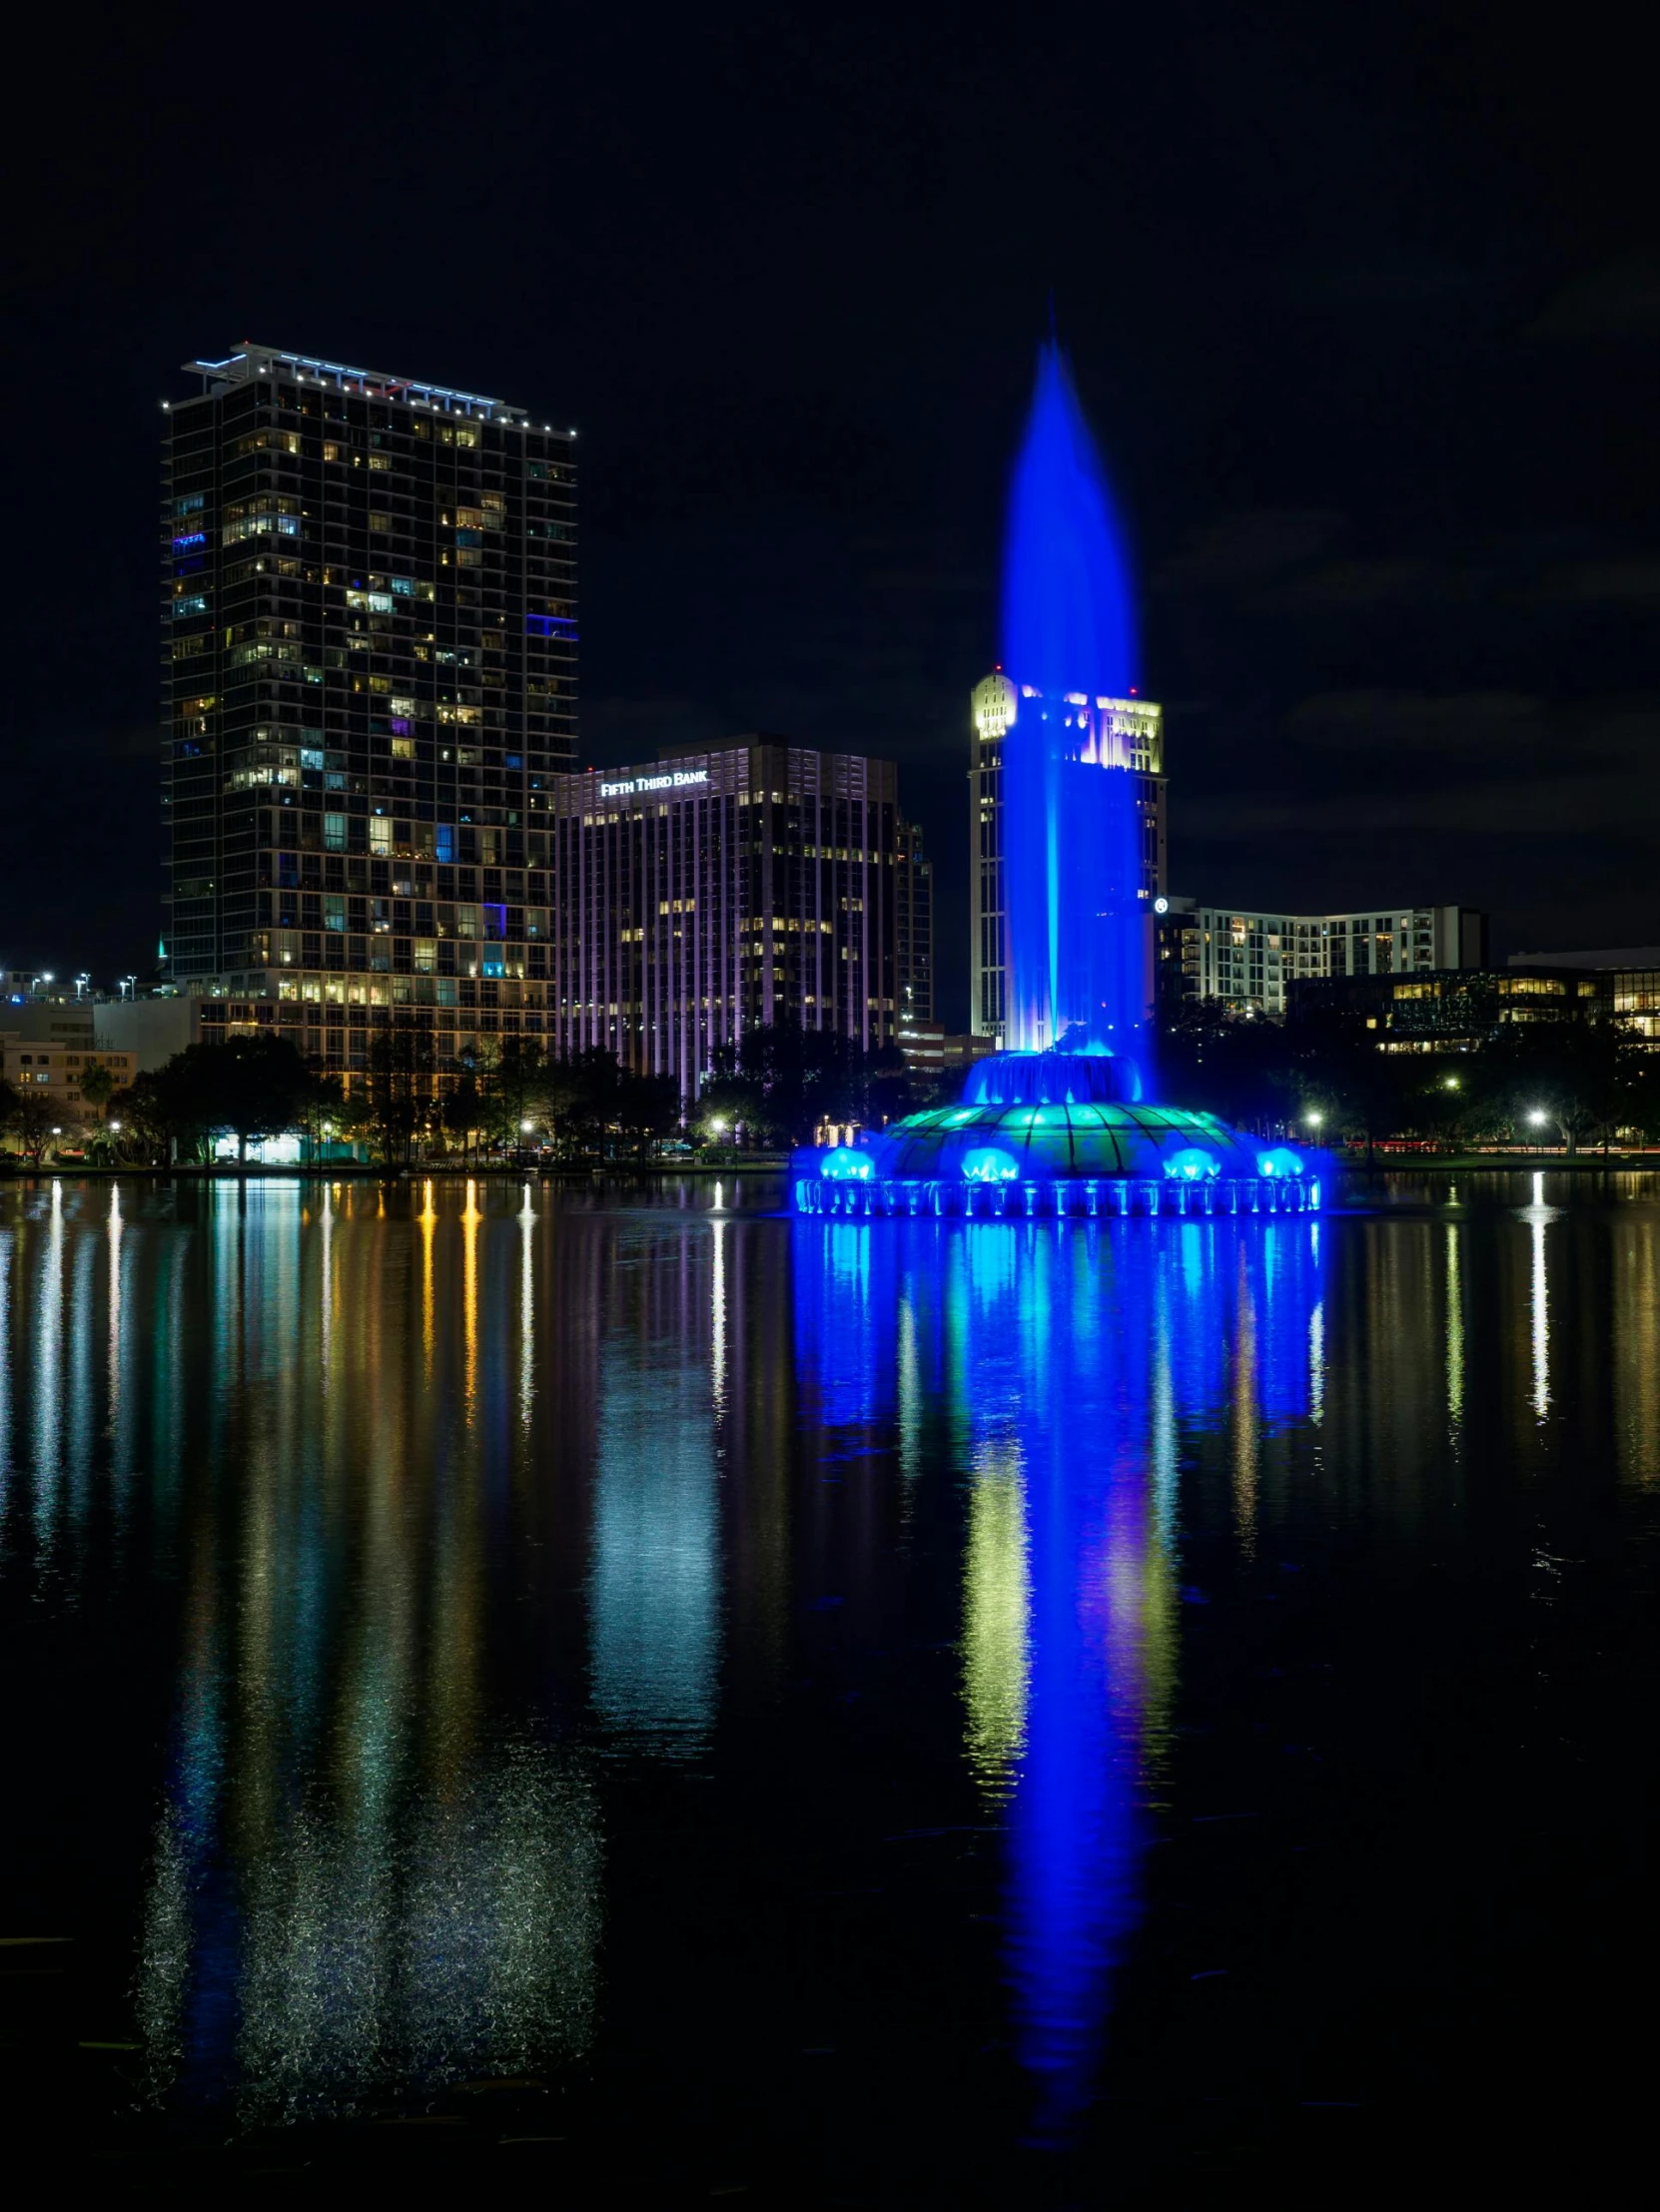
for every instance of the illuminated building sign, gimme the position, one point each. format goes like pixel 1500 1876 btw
pixel 676 782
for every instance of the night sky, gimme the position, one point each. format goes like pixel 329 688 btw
pixel 1365 307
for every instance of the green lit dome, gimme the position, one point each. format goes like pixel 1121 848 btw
pixel 1057 1141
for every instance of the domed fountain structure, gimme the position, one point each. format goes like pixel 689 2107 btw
pixel 1058 1124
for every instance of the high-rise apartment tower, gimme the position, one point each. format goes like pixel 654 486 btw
pixel 1134 730
pixel 370 681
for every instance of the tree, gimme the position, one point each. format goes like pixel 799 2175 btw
pixel 582 1095
pixel 96 1086
pixel 779 1081
pixel 514 1086
pixel 1582 1075
pixel 322 1106
pixel 1238 1066
pixel 252 1085
pixel 577 1095
pixel 401 1070
pixel 30 1117
pixel 1336 1071
pixel 464 1110
pixel 647 1107
pixel 156 1121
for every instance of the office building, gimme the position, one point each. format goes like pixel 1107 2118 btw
pixel 1248 962
pixel 914 926
pixel 715 889
pixel 1454 1009
pixel 369 679
pixel 1126 733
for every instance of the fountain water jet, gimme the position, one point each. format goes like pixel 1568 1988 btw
pixel 1058 1124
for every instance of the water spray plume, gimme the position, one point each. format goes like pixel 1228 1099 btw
pixel 1079 946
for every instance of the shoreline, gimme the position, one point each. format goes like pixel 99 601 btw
pixel 1416 1164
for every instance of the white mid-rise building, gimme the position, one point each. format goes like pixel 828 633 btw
pixel 1248 960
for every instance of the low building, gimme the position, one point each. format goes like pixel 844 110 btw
pixel 54 1072
pixel 1632 975
pixel 923 1045
pixel 1250 961
pixel 1454 1009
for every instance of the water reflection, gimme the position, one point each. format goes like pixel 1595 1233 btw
pixel 1076 1359
pixel 409 1533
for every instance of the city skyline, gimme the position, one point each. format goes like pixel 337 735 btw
pixel 1372 382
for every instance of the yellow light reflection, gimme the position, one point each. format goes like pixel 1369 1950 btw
pixel 1635 1336
pixel 1455 1329
pixel 429 1220
pixel 470 1291
pixel 997 1619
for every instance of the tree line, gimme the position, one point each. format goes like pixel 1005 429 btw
pixel 772 1089
pixel 1573 1081
pixel 1569 1079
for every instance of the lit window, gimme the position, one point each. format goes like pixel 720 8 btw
pixel 333 833
pixel 379 835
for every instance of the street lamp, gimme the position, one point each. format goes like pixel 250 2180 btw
pixel 1537 1115
pixel 115 1128
pixel 527 1126
pixel 717 1126
pixel 1314 1119
pixel 1450 1084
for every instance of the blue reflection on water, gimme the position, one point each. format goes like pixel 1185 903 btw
pixel 656 1576
pixel 1075 1358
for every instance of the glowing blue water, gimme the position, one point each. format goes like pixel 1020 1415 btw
pixel 1078 966
pixel 1073 1433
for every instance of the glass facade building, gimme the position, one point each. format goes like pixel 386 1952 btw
pixel 369 672
pixel 715 889
pixel 1133 731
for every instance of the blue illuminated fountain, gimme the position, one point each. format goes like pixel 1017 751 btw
pixel 1058 1124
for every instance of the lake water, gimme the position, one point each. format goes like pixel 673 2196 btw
pixel 622 1685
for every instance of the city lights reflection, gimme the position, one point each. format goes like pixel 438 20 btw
pixel 482 1583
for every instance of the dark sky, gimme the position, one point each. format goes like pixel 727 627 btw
pixel 1365 305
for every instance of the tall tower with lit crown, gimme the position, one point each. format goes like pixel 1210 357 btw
pixel 1135 730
